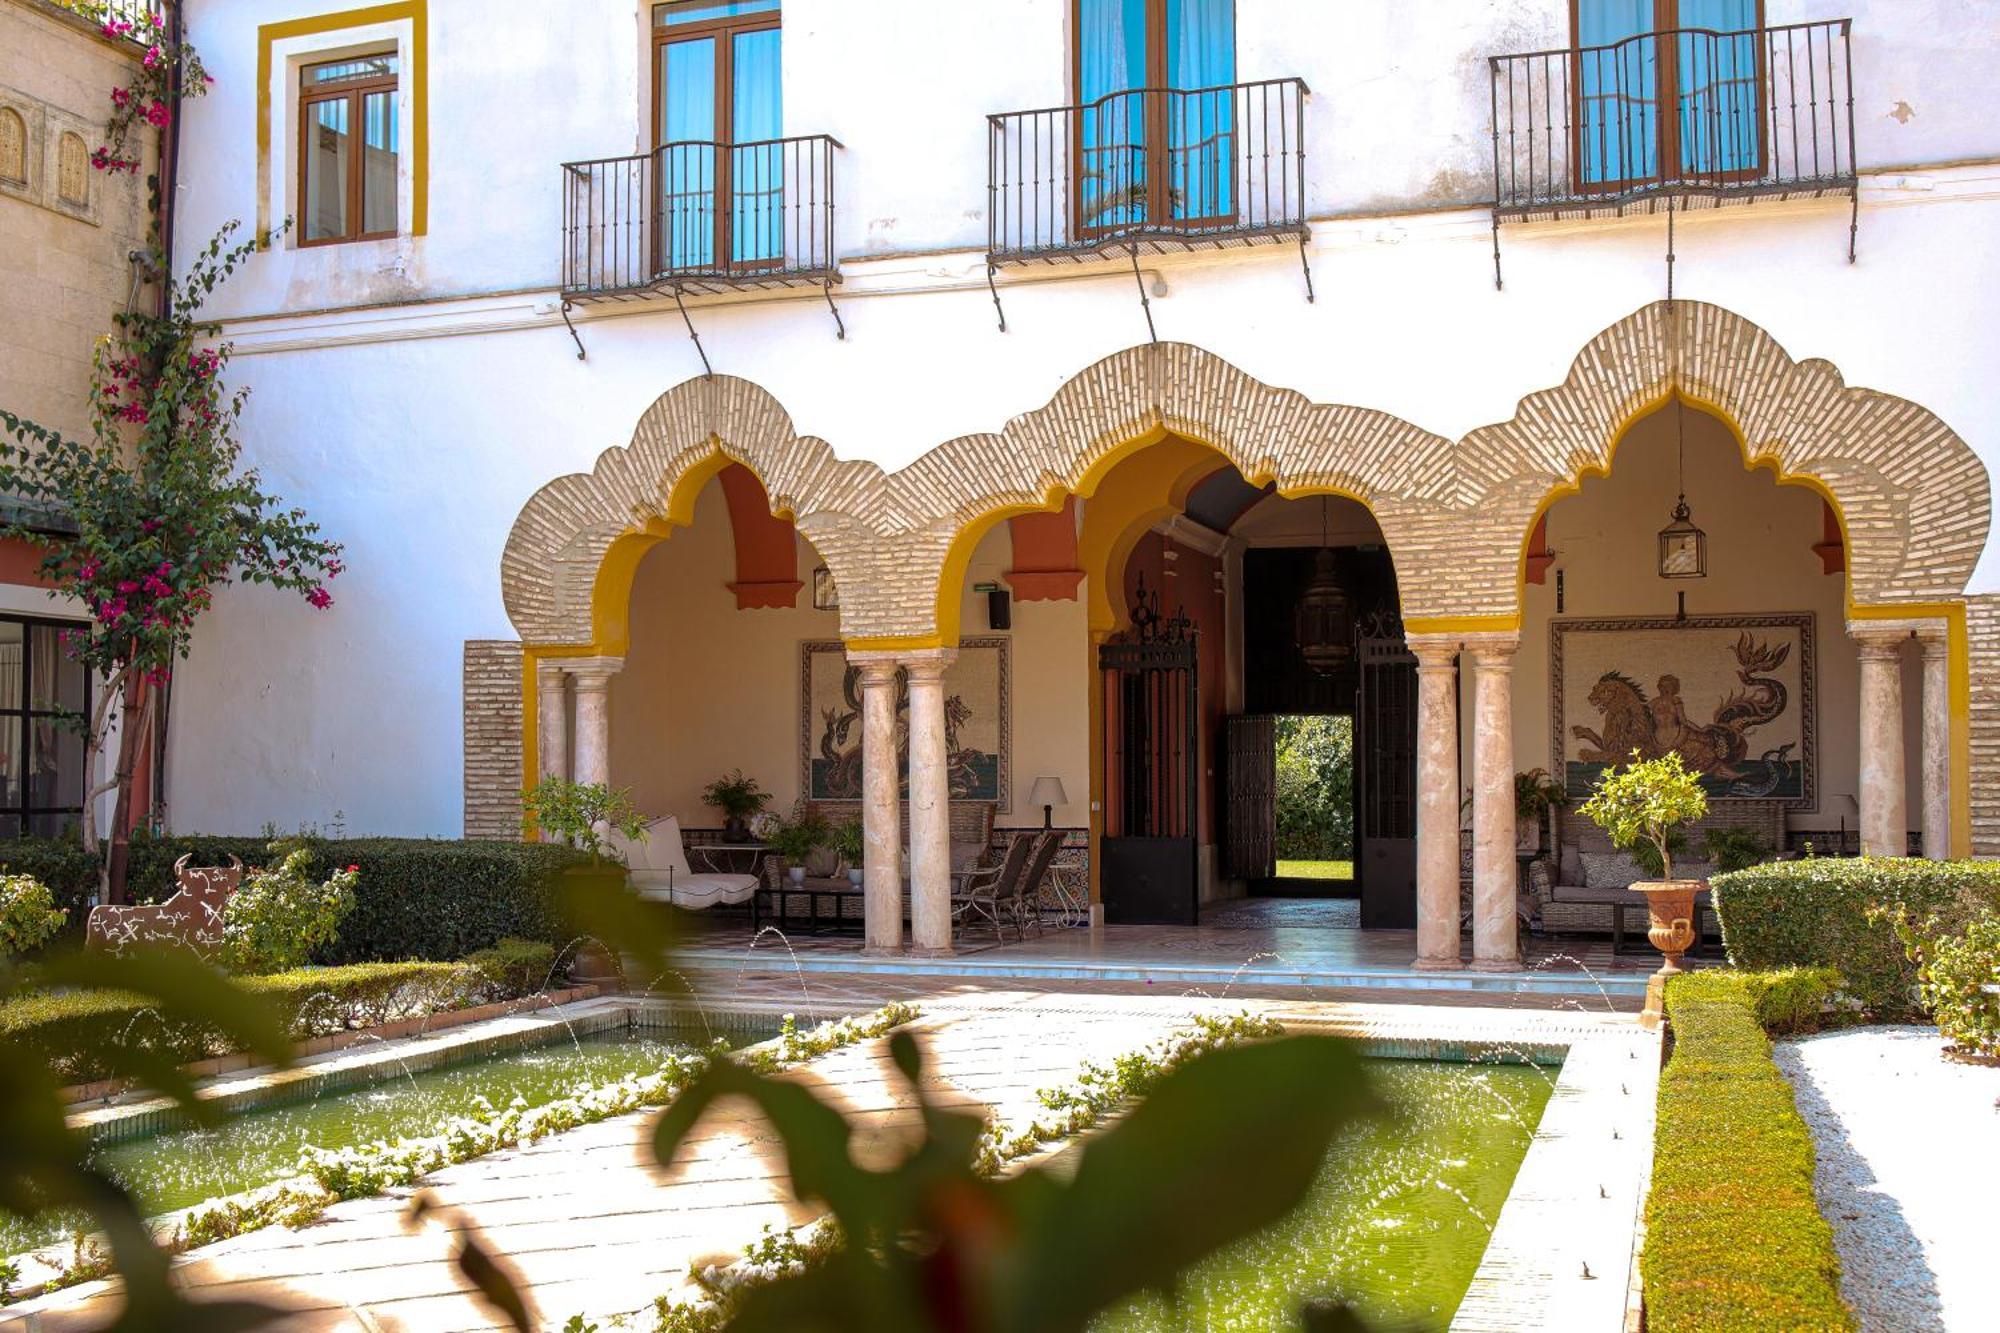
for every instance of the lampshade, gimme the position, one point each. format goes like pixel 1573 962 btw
pixel 1047 791
pixel 1842 805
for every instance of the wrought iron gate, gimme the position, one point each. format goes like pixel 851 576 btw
pixel 1152 767
pixel 1250 819
pixel 1385 787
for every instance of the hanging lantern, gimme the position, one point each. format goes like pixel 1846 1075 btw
pixel 1324 624
pixel 1683 546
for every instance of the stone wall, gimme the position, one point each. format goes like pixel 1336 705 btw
pixel 66 230
pixel 493 759
pixel 1983 627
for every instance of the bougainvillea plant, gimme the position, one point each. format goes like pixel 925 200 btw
pixel 161 511
pixel 149 98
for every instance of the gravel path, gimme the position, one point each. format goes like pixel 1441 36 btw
pixel 1908 1174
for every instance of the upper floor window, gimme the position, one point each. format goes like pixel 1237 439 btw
pixel 1667 90
pixel 13 145
pixel 42 779
pixel 718 107
pixel 1156 125
pixel 348 145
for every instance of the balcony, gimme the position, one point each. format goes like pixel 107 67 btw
pixel 700 217
pixel 1687 115
pixel 1146 171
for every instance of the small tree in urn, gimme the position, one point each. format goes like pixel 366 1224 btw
pixel 1648 803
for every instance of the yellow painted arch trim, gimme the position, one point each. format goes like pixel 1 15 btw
pixel 417 13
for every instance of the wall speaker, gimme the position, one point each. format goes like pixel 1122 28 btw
pixel 1000 609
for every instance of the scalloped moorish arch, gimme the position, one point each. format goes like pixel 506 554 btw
pixel 1913 497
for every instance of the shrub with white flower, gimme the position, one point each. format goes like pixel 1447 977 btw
pixel 278 917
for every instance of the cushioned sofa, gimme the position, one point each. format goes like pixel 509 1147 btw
pixel 660 871
pixel 1590 881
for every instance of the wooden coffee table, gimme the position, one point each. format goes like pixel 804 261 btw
pixel 770 906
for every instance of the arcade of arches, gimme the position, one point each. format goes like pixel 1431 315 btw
pixel 1510 616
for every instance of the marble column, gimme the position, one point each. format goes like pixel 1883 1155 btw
pixel 1496 943
pixel 591 677
pixel 881 808
pixel 1884 806
pixel 551 720
pixel 1937 745
pixel 1437 802
pixel 930 807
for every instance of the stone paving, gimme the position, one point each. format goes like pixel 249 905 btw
pixel 592 1226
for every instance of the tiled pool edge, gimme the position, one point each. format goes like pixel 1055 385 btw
pixel 1566 1243
pixel 354 1066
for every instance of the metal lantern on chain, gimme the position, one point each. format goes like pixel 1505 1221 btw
pixel 1683 546
pixel 1324 624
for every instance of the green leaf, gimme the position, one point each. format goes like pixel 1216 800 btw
pixel 1224 1146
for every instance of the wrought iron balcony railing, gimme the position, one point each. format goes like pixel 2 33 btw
pixel 1148 170
pixel 700 217
pixel 1689 115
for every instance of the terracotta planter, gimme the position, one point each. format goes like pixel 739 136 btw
pixel 1670 909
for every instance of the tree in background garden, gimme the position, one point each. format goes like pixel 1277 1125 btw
pixel 1315 788
pixel 162 513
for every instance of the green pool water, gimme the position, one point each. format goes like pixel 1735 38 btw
pixel 175 1170
pixel 1396 1222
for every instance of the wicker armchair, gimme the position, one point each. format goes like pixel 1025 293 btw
pixel 991 893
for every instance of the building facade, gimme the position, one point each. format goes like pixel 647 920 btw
pixel 72 242
pixel 687 379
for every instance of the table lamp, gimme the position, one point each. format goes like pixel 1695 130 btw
pixel 1048 793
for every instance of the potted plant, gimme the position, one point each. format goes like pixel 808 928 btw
pixel 1535 793
pixel 1648 802
pixel 738 798
pixel 580 815
pixel 795 839
pixel 848 841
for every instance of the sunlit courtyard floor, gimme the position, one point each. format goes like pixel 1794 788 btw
pixel 591 1227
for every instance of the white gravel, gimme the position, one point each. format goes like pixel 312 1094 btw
pixel 1909 1174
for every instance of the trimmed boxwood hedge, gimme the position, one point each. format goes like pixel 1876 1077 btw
pixel 1734 1240
pixel 1814 913
pixel 69 1030
pixel 417 897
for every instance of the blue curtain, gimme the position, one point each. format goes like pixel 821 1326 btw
pixel 1201 54
pixel 687 153
pixel 1111 62
pixel 1617 92
pixel 1720 121
pixel 757 208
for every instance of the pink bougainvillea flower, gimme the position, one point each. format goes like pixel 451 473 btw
pixel 320 598
pixel 120 97
pixel 156 114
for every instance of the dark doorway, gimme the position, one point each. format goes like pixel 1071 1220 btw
pixel 1376 690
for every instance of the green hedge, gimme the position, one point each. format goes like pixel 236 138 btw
pixel 417 898
pixel 1734 1240
pixel 70 1029
pixel 1814 913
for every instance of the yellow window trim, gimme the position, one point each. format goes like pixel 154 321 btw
pixel 416 14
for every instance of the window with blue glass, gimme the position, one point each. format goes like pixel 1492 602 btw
pixel 1668 91
pixel 718 113
pixel 1157 115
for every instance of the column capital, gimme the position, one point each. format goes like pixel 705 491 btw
pixel 1434 652
pixel 1493 652
pixel 930 664
pixel 1893 633
pixel 593 673
pixel 877 669
pixel 549 670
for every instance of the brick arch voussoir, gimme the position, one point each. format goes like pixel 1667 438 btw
pixel 560 537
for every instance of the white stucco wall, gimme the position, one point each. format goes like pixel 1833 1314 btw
pixel 412 394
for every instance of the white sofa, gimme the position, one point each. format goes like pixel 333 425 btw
pixel 659 870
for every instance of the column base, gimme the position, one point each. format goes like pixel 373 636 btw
pixel 919 951
pixel 1496 964
pixel 1439 964
pixel 881 951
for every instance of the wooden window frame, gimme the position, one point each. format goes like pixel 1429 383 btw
pixel 723 31
pixel 1159 151
pixel 1666 103
pixel 355 94
pixel 24 710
